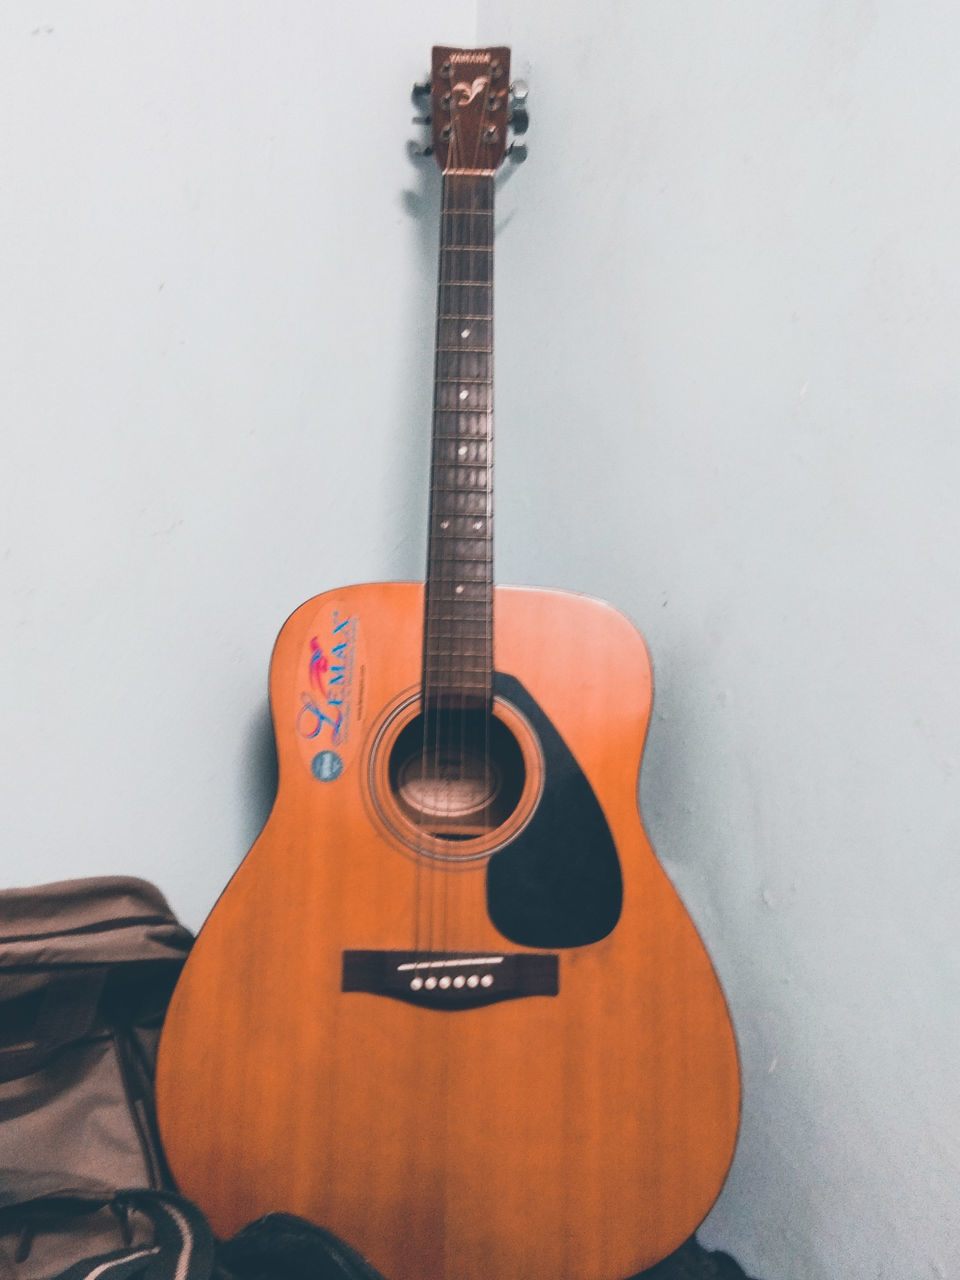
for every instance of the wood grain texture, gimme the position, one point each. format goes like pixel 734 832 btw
pixel 576 1137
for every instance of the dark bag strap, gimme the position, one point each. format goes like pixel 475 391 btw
pixel 66 1013
pixel 182 1249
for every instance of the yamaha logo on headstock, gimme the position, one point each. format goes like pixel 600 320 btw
pixel 472 105
pixel 469 108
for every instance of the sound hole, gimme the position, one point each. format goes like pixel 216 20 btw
pixel 456 774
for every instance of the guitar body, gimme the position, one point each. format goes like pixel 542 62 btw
pixel 578 1131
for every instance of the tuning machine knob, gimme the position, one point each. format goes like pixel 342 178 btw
pixel 420 90
pixel 517 152
pixel 519 120
pixel 418 152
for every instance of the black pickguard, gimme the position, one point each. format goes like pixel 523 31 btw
pixel 558 884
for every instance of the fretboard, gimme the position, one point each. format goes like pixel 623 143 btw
pixel 458 621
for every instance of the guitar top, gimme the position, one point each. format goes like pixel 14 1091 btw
pixel 450 1006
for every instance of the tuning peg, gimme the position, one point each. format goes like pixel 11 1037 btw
pixel 519 120
pixel 419 153
pixel 519 89
pixel 421 90
pixel 517 151
pixel 422 119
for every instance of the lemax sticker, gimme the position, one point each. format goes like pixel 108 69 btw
pixel 324 716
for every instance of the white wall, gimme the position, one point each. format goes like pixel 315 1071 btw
pixel 727 318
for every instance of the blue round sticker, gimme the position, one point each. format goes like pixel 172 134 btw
pixel 326 766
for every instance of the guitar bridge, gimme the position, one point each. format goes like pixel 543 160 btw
pixel 451 979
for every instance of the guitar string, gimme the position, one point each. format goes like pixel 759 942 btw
pixel 490 227
pixel 424 881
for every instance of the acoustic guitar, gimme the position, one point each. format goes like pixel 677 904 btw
pixel 450 1006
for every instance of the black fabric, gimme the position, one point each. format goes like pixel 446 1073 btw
pixel 692 1262
pixel 281 1246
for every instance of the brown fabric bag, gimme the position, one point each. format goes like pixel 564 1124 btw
pixel 86 971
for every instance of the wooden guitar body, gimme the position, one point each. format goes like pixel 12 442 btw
pixel 571 1120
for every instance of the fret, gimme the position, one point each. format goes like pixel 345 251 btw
pixel 452 449
pixel 466 527
pixel 458 696
pixel 474 261
pixel 477 649
pixel 475 658
pixel 450 395
pixel 464 195
pixel 449 475
pixel 452 682
pixel 462 331
pixel 466 369
pixel 454 503
pixel 460 563
pixel 474 662
pixel 473 665
pixel 465 665
pixel 468 425
pixel 456 548
pixel 467 248
pixel 450 592
pixel 455 569
pixel 479 635
pixel 469 627
pixel 463 366
pixel 458 583
pixel 478 490
pixel 454 302
pixel 475 615
pixel 454 675
pixel 467 277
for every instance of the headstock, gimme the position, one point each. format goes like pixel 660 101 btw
pixel 472 104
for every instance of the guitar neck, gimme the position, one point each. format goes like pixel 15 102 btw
pixel 458 619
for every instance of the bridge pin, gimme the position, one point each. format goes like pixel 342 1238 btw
pixel 445 982
pixel 473 981
pixel 430 983
pixel 416 984
pixel 487 980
